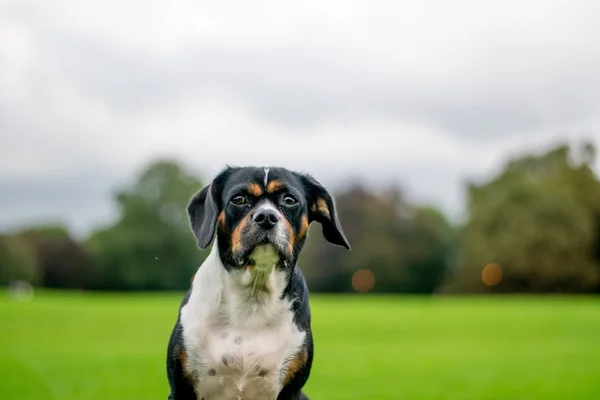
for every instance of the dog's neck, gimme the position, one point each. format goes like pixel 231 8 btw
pixel 248 290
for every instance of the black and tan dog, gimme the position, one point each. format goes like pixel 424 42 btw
pixel 244 327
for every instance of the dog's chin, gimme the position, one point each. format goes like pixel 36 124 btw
pixel 264 256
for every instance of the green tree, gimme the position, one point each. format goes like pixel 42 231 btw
pixel 150 246
pixel 404 247
pixel 537 223
pixel 17 262
pixel 62 261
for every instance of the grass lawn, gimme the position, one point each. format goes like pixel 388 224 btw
pixel 99 346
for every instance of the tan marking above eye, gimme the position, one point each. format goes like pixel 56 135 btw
pixel 274 186
pixel 254 189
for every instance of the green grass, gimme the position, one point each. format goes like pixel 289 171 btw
pixel 96 346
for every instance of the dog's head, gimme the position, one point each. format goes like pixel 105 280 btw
pixel 261 216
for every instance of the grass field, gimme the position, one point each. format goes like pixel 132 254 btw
pixel 97 346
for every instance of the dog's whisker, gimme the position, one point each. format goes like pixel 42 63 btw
pixel 229 251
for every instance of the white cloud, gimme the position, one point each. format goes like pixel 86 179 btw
pixel 426 93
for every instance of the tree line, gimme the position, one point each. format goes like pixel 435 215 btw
pixel 534 227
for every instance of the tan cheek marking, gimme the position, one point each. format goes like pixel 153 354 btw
pixel 254 189
pixel 237 234
pixel 274 185
pixel 221 219
pixel 290 232
pixel 297 362
pixel 303 227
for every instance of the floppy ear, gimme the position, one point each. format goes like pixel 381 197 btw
pixel 203 211
pixel 321 208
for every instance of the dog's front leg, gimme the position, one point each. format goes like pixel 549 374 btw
pixel 180 386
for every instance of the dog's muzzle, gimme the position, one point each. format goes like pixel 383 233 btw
pixel 266 219
pixel 265 239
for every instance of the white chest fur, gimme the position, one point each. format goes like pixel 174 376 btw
pixel 238 336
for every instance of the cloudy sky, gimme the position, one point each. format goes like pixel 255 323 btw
pixel 427 94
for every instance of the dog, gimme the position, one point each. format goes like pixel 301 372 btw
pixel 244 327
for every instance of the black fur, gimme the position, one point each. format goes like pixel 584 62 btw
pixel 297 289
pixel 224 209
pixel 181 387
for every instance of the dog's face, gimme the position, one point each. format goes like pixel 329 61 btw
pixel 262 214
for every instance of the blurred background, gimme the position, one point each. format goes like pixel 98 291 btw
pixel 459 139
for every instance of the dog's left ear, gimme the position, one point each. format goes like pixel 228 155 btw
pixel 321 208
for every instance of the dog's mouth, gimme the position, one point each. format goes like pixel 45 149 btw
pixel 264 256
pixel 260 248
pixel 256 272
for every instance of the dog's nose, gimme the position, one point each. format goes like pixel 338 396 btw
pixel 266 219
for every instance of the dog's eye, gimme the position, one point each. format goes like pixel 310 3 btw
pixel 289 200
pixel 238 200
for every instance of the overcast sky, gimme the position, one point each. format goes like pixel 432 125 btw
pixel 424 93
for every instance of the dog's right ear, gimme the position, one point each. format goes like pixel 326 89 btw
pixel 204 208
pixel 203 211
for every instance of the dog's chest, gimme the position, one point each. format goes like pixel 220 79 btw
pixel 245 359
pixel 244 365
